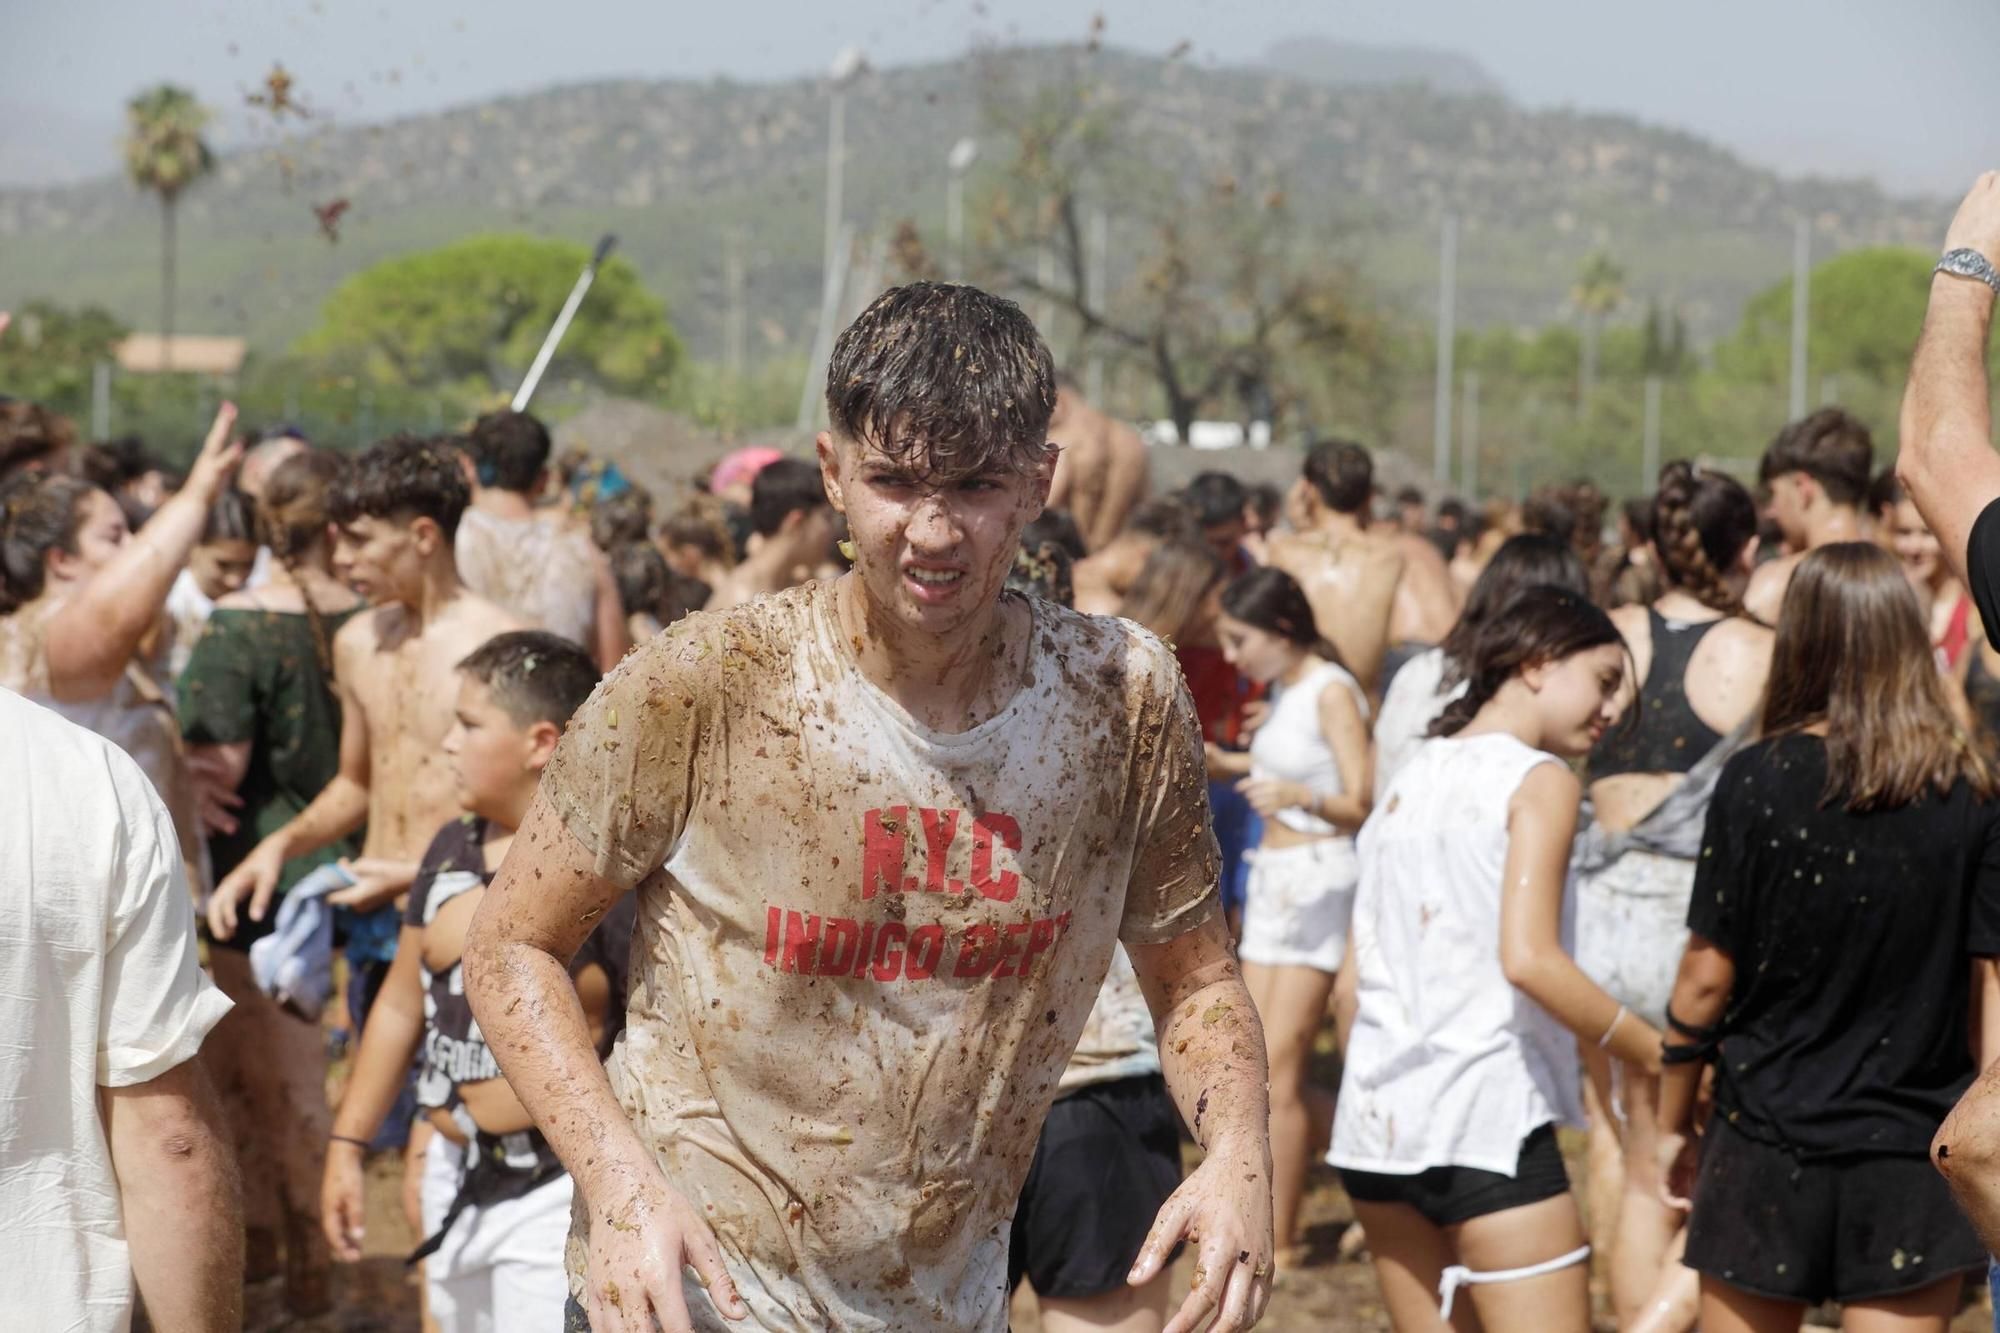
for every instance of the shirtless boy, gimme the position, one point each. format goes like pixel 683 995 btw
pixel 885 831
pixel 396 665
pixel 1816 474
pixel 1350 574
pixel 791 526
pixel 1100 469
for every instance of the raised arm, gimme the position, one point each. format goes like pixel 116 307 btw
pixel 1540 826
pixel 182 1205
pixel 1212 1054
pixel 1946 459
pixel 95 633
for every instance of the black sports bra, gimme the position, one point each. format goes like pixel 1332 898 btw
pixel 1661 733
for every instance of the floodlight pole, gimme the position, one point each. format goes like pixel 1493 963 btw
pixel 576 294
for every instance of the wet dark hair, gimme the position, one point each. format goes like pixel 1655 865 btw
pixel 1702 520
pixel 31 433
pixel 1216 498
pixel 1043 570
pixel 232 518
pixel 1165 518
pixel 1538 625
pixel 781 489
pixel 1550 512
pixel 1831 446
pixel 646 586
pixel 509 450
pixel 404 477
pixel 115 463
pixel 1409 495
pixel 1271 600
pixel 1527 560
pixel 535 676
pixel 623 519
pixel 39 512
pixel 1343 473
pixel 1057 526
pixel 945 379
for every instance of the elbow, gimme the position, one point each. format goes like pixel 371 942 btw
pixel 1524 968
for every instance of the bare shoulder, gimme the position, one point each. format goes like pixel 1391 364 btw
pixel 369 630
pixel 1550 788
pixel 1765 596
pixel 1743 643
pixel 1632 621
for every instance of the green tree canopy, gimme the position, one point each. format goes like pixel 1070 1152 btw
pixel 48 352
pixel 1867 308
pixel 472 314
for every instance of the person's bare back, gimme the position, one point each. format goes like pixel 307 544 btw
pixel 1352 583
pixel 1427 601
pixel 403 677
pixel 1100 469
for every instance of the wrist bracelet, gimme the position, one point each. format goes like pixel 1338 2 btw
pixel 1604 1041
pixel 1683 1053
pixel 1690 1030
pixel 362 1144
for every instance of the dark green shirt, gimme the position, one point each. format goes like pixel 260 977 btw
pixel 256 676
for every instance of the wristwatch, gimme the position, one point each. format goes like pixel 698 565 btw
pixel 1970 264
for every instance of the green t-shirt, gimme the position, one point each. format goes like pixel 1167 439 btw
pixel 256 676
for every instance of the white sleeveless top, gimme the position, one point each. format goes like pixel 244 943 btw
pixel 1290 745
pixel 1449 1064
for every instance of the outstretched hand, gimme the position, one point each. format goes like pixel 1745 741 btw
pixel 1977 223
pixel 1224 1210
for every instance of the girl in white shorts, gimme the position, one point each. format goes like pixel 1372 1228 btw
pixel 1308 778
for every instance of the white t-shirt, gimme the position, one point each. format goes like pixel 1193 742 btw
pixel 1119 1040
pixel 535 567
pixel 100 986
pixel 1448 1064
pixel 866 949
pixel 1414 700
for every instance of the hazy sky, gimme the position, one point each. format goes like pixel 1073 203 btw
pixel 1903 90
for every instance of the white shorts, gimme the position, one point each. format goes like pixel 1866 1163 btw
pixel 1297 904
pixel 1631 929
pixel 500 1268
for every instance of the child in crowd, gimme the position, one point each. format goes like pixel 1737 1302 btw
pixel 1460 1004
pixel 495 1200
pixel 219 565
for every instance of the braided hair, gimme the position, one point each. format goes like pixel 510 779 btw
pixel 292 517
pixel 1702 521
pixel 1541 624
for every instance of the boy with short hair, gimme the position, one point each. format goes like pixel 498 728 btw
pixel 791 526
pixel 495 1200
pixel 1815 478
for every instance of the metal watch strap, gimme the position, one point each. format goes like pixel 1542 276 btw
pixel 1969 264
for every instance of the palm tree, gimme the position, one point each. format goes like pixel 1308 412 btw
pixel 1599 290
pixel 165 153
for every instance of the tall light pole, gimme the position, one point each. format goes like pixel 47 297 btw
pixel 957 162
pixel 848 66
pixel 1801 306
pixel 1446 335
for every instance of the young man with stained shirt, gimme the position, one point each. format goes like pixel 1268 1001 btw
pixel 519 556
pixel 1815 475
pixel 885 831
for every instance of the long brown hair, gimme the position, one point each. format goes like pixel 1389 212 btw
pixel 1176 578
pixel 1852 652
pixel 1702 521
pixel 292 518
pixel 1539 625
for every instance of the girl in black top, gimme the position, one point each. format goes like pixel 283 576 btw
pixel 1846 912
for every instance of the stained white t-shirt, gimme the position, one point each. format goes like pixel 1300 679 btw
pixel 866 949
pixel 100 986
pixel 1448 1064
pixel 535 567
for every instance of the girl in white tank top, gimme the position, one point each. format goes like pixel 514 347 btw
pixel 1307 775
pixel 1460 1006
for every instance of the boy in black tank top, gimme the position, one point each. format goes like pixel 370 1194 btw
pixel 495 1199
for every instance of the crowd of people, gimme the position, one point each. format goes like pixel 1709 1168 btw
pixel 837 899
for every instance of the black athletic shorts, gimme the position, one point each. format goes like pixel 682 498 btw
pixel 1844 1229
pixel 1109 1156
pixel 1448 1195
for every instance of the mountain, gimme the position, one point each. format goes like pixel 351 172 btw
pixel 1347 65
pixel 685 171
